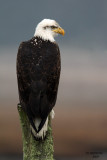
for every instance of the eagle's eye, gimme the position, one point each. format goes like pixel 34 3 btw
pixel 53 27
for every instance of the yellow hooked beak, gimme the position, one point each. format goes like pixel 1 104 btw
pixel 59 30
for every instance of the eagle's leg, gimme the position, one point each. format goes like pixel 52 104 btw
pixel 52 114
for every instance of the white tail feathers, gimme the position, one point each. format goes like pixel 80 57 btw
pixel 42 132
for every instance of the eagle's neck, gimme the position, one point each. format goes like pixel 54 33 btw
pixel 38 41
pixel 45 35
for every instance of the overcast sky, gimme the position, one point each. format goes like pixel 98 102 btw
pixel 85 21
pixel 83 48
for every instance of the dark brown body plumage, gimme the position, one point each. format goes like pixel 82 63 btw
pixel 38 72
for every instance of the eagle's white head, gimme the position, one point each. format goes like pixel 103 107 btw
pixel 47 29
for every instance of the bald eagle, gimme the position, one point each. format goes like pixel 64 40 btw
pixel 38 73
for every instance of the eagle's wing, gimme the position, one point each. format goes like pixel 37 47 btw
pixel 38 74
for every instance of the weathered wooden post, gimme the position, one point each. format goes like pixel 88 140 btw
pixel 32 149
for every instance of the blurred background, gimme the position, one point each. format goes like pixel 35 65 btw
pixel 80 124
